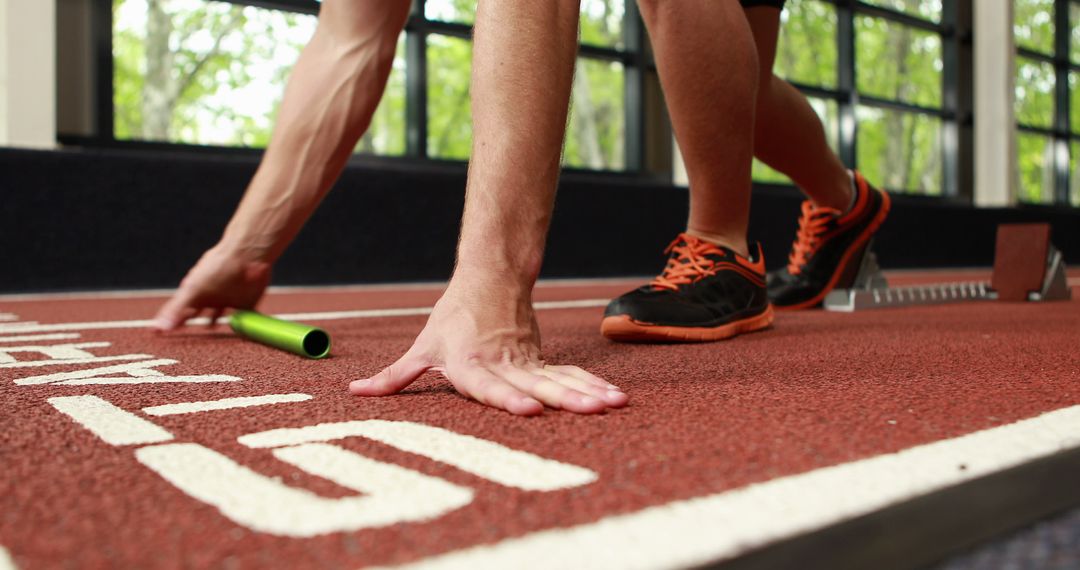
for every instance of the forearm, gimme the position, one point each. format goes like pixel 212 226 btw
pixel 522 70
pixel 329 100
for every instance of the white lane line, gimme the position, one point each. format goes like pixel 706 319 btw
pixel 37 337
pixel 436 286
pixel 65 361
pixel 706 529
pixel 225 404
pixel 477 456
pixel 319 316
pixel 8 317
pixel 110 423
pixel 6 562
pixel 392 494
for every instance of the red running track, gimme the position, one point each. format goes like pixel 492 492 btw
pixel 818 390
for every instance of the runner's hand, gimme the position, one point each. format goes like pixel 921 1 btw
pixel 219 280
pixel 490 352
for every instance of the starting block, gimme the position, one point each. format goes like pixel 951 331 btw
pixel 1027 267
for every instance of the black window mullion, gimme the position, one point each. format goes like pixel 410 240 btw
pixel 102 30
pixel 846 79
pixel 957 79
pixel 416 119
pixel 634 89
pixel 901 17
pixel 1061 102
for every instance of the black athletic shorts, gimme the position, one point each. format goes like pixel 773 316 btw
pixel 778 4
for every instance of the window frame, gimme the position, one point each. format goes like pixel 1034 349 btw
pixel 955 112
pixel 1060 132
pixel 633 56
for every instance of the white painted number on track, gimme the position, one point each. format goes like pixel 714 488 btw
pixel 393 494
pixel 477 456
pixel 390 494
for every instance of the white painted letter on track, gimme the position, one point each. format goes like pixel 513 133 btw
pixel 143 372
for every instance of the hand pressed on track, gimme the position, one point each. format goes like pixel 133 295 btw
pixel 490 352
pixel 219 280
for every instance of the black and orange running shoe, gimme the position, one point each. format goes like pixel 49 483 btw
pixel 827 250
pixel 707 292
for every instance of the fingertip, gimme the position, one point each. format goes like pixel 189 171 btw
pixel 616 399
pixel 163 324
pixel 525 407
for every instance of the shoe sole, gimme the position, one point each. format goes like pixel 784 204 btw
pixel 622 328
pixel 842 267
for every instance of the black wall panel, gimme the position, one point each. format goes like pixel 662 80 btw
pixel 81 220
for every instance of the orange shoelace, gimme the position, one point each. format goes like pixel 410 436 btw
pixel 812 224
pixel 688 264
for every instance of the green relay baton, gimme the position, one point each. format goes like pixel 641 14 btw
pixel 296 338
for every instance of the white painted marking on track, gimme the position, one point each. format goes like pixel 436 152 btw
pixel 393 494
pixel 67 361
pixel 137 373
pixel 6 562
pixel 37 337
pixel 8 317
pixel 715 527
pixel 110 423
pixel 68 351
pixel 480 457
pixel 317 316
pixel 225 404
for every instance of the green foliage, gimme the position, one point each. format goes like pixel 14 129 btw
pixel 1034 24
pixel 1035 155
pixel 1034 92
pixel 198 72
pixel 449 63
pixel 806 50
pixel 594 135
pixel 900 151
pixel 601 23
pixel 386 134
pixel 898 62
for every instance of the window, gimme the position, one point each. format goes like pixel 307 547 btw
pixel 878 67
pixel 212 72
pixel 1047 34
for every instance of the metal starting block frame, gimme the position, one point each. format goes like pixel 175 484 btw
pixel 870 289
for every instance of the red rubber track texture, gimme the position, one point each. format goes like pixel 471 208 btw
pixel 817 389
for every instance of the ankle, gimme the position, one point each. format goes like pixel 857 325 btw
pixel 841 194
pixel 736 244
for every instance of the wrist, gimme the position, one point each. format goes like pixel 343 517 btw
pixel 242 250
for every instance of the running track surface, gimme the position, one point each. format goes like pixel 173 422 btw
pixel 723 448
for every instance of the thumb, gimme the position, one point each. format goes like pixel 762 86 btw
pixel 393 378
